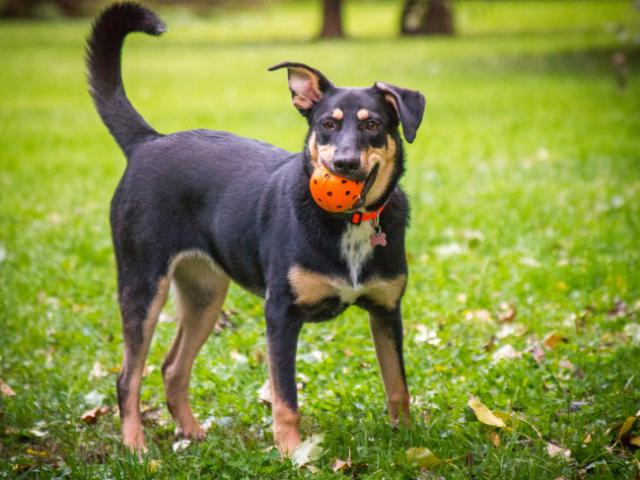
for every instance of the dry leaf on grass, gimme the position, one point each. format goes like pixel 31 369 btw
pixel 506 352
pixel 423 457
pixel 551 340
pixel 90 417
pixel 555 450
pixel 180 445
pixel 97 371
pixel 6 390
pixel 626 426
pixel 483 414
pixel 339 465
pixel 635 441
pixel 495 439
pixel 308 451
pixel 507 313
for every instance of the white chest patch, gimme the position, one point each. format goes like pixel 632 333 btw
pixel 356 249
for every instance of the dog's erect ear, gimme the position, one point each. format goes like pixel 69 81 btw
pixel 307 85
pixel 408 106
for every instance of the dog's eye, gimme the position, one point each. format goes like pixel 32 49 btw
pixel 329 125
pixel 371 125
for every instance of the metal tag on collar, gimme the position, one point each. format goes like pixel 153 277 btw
pixel 378 237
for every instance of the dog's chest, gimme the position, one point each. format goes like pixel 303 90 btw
pixel 356 249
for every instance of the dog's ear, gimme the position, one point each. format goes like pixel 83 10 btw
pixel 408 106
pixel 307 85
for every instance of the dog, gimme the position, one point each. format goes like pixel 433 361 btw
pixel 200 208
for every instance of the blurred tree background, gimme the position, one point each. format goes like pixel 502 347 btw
pixel 417 17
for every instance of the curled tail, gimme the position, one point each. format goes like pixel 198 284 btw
pixel 104 48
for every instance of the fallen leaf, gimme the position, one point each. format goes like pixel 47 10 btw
pixel 508 313
pixel 37 453
pixel 308 451
pixel 339 465
pixel 506 352
pixel 449 250
pixel 90 417
pixel 153 465
pixel 587 439
pixel 180 445
pixel 264 393
pixel 635 441
pixel 482 316
pixel 423 457
pixel 626 426
pixel 495 438
pixel 6 390
pixel 538 354
pixel 555 450
pixel 97 371
pixel 511 329
pixel 551 340
pixel 238 357
pixel 483 414
pixel 427 335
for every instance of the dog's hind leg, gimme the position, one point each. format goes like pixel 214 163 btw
pixel 141 301
pixel 201 287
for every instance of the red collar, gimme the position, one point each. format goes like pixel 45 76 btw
pixel 358 217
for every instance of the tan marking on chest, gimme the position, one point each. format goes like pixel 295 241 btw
pixel 311 287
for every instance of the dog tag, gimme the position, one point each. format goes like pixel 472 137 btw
pixel 378 239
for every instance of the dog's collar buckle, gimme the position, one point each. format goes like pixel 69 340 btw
pixel 358 217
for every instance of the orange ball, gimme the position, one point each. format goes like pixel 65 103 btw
pixel 333 193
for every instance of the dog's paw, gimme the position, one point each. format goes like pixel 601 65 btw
pixel 191 432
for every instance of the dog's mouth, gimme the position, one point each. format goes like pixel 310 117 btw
pixel 358 176
pixel 370 179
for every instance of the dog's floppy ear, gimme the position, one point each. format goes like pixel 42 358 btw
pixel 408 106
pixel 307 85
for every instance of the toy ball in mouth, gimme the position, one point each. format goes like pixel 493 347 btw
pixel 333 193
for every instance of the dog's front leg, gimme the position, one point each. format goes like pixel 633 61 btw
pixel 386 329
pixel 282 340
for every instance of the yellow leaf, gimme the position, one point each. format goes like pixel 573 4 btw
pixel 635 441
pixel 483 414
pixel 552 340
pixel 37 453
pixel 154 465
pixel 626 426
pixel 423 457
pixel 495 438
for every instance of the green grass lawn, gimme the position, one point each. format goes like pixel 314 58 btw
pixel 525 190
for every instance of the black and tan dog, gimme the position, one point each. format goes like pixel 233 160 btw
pixel 201 208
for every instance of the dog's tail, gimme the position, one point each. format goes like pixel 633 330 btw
pixel 104 48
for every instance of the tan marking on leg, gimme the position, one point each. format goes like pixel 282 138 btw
pixel 385 157
pixel 395 388
pixel 286 433
pixel 386 293
pixel 132 368
pixel 362 114
pixel 201 288
pixel 337 114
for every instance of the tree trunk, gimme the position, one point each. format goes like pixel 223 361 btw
pixel 426 17
pixel 331 19
pixel 18 8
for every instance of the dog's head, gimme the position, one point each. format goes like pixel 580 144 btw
pixel 353 132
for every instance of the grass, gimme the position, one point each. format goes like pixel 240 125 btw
pixel 525 190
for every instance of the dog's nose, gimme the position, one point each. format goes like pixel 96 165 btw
pixel 346 165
